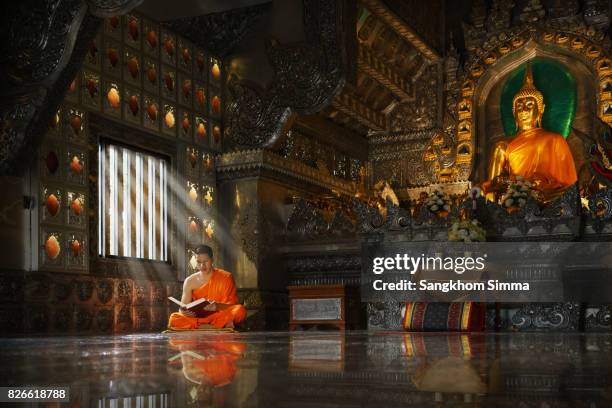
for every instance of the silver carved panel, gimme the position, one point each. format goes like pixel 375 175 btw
pixel 317 309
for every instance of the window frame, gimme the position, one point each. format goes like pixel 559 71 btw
pixel 103 128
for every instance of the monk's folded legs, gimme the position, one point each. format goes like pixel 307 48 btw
pixel 223 318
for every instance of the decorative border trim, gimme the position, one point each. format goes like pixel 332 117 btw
pixel 247 162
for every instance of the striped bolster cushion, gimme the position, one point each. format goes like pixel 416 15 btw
pixel 421 316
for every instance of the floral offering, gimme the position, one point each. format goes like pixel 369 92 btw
pixel 438 203
pixel 519 190
pixel 466 231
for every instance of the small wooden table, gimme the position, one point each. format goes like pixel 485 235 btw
pixel 318 305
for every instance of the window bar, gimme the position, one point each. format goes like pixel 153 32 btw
pixel 162 214
pixel 113 196
pixel 139 204
pixel 101 206
pixel 126 213
pixel 151 191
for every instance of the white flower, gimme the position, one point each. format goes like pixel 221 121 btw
pixel 434 208
pixel 522 201
pixel 462 233
pixel 509 202
pixel 446 207
pixel 473 234
pixel 475 222
pixel 440 202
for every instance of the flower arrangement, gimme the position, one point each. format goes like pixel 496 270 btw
pixel 466 231
pixel 519 190
pixel 438 203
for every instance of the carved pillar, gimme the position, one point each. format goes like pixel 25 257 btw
pixel 254 187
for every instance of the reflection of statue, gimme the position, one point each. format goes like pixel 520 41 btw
pixel 541 156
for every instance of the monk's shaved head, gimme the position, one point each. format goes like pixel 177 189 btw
pixel 204 250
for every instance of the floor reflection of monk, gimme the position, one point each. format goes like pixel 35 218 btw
pixel 209 362
pixel 215 285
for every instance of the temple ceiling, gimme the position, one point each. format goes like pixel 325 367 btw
pixel 391 59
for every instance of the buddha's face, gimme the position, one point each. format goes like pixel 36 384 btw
pixel 526 113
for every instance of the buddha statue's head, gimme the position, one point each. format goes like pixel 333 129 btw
pixel 528 104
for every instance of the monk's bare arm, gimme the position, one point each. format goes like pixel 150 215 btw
pixel 187 289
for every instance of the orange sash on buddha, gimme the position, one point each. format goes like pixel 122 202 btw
pixel 538 154
pixel 220 288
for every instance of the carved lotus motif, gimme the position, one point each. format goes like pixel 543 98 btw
pixel 104 290
pixel 152 75
pixel 92 88
pixel 216 104
pixel 152 39
pixel 169 119
pixel 201 97
pixel 113 57
pixel 52 247
pixel 75 247
pixel 113 97
pixel 75 165
pixel 200 62
pixel 52 162
pixel 133 67
pixel 133 104
pixel 201 130
pixel 215 71
pixel 169 81
pixel 169 47
pixel 193 158
pixel 208 163
pixel 52 204
pixel 193 194
pixel 193 227
pixel 152 112
pixel 187 88
pixel 114 22
pixel 76 206
pixel 75 124
pixel 133 28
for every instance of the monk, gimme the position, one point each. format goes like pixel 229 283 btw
pixel 210 362
pixel 215 285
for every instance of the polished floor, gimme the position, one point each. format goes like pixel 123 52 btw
pixel 317 369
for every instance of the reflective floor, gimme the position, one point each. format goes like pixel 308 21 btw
pixel 317 369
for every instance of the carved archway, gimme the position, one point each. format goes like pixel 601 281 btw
pixel 501 54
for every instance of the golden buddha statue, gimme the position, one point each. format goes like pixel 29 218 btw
pixel 538 155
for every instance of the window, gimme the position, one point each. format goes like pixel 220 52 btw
pixel 133 203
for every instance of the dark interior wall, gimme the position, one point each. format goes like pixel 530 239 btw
pixel 284 23
pixel 14 223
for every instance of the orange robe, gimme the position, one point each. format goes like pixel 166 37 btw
pixel 220 288
pixel 538 154
pixel 219 357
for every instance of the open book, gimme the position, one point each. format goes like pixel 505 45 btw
pixel 197 306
